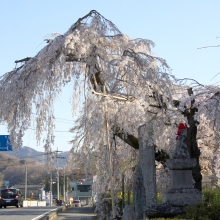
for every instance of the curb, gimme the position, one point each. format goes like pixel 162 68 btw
pixel 51 215
pixel 48 215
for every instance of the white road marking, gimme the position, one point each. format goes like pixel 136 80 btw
pixel 40 216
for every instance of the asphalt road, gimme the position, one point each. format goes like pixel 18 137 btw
pixel 29 213
pixel 78 213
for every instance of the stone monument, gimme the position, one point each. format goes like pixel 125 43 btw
pixel 145 177
pixel 181 191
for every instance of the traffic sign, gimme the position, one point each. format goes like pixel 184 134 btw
pixel 5 144
pixel 7 183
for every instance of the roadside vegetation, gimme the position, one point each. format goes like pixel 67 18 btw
pixel 209 209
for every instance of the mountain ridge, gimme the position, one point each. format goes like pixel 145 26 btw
pixel 38 156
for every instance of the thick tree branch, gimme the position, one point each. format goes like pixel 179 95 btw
pixel 114 97
pixel 128 139
pixel 160 156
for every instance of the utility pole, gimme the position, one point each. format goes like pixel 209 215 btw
pixel 51 179
pixel 64 189
pixel 67 183
pixel 58 193
pixel 25 188
pixel 51 182
pixel 49 159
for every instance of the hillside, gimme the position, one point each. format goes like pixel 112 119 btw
pixel 13 170
pixel 12 165
pixel 28 152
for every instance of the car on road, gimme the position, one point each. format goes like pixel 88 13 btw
pixel 77 203
pixel 11 197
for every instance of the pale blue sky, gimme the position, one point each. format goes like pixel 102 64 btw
pixel 178 28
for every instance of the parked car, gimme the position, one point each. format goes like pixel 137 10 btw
pixel 11 197
pixel 77 203
pixel 59 202
pixel 83 202
pixel 66 203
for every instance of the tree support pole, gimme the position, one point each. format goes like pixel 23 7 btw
pixel 123 191
pixel 110 160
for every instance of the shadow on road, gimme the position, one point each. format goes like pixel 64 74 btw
pixel 78 213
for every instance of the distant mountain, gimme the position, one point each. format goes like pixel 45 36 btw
pixel 30 153
pixel 27 153
pixel 13 170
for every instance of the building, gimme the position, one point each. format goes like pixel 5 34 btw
pixel 82 190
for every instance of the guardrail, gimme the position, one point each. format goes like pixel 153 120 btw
pixel 52 214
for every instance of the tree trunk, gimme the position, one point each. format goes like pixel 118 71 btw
pixel 194 151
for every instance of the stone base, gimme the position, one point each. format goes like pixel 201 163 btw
pixel 181 179
pixel 128 213
pixel 181 164
pixel 182 197
pixel 164 211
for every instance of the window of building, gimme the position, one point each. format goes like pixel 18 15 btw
pixel 84 188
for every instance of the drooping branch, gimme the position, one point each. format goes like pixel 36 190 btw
pixel 208 46
pixel 98 83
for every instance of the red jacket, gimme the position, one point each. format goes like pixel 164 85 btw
pixel 180 127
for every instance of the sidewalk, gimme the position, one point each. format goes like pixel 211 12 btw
pixel 78 213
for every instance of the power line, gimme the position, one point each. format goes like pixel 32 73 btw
pixel 57 118
pixel 36 129
pixel 46 130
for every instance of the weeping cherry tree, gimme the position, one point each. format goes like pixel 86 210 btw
pixel 119 84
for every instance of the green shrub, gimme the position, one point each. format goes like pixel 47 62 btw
pixel 211 196
pixel 202 211
pixel 159 198
pixel 209 209
pixel 208 196
pixel 165 218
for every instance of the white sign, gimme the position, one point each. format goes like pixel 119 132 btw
pixel 43 195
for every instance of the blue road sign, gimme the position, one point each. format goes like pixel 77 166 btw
pixel 5 144
pixel 7 183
